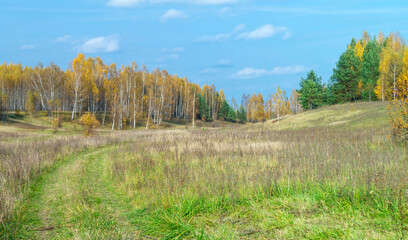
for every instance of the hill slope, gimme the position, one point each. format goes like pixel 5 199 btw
pixel 347 116
pixel 332 174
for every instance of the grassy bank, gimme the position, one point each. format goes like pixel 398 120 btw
pixel 312 183
pixel 327 173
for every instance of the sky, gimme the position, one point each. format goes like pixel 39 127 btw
pixel 241 46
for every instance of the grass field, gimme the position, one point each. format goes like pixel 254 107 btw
pixel 330 173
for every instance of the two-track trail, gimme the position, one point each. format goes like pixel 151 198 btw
pixel 76 201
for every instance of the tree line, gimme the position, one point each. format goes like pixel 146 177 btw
pixel 127 95
pixel 274 107
pixel 370 69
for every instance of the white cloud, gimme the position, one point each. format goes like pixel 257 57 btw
pixel 27 47
pixel 224 11
pixel 239 28
pixel 168 57
pixel 173 50
pixel 133 3
pixel 287 70
pixel 266 31
pixel 263 32
pixel 65 38
pixel 174 14
pixel 248 72
pixel 287 35
pixel 101 44
pixel 217 38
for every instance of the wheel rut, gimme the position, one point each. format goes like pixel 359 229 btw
pixel 76 201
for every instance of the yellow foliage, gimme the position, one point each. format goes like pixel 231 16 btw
pixel 402 81
pixel 89 122
pixel 398 119
pixel 260 110
pixel 57 123
pixel 359 50
pixel 391 60
pixel 380 38
pixel 359 88
pixel 365 38
pixel 378 89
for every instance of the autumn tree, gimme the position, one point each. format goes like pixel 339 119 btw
pixel 3 103
pixel 30 103
pixel 252 105
pixel 89 123
pixel 47 81
pixel 77 83
pixel 402 81
pixel 279 102
pixel 390 67
pixel 294 101
pixel 112 89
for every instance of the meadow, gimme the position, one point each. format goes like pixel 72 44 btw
pixel 331 173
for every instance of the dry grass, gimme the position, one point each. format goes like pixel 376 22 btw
pixel 358 170
pixel 348 116
pixel 329 173
pixel 350 159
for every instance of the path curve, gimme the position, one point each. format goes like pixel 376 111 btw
pixel 76 201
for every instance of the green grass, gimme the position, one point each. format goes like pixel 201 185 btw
pixel 359 115
pixel 329 173
pixel 72 200
pixel 299 211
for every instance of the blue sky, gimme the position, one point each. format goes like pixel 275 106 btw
pixel 242 46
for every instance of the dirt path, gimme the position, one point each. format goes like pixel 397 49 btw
pixel 76 201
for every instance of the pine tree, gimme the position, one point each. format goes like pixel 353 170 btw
pixel 345 76
pixel 224 110
pixel 311 93
pixel 232 115
pixel 203 110
pixel 370 70
pixel 241 115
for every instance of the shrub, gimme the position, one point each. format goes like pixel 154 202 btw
pixel 398 118
pixel 57 123
pixel 89 122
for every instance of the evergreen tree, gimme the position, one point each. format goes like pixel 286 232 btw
pixel 311 93
pixel 370 70
pixel 227 113
pixel 346 76
pixel 232 115
pixel 241 115
pixel 203 109
pixel 224 110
